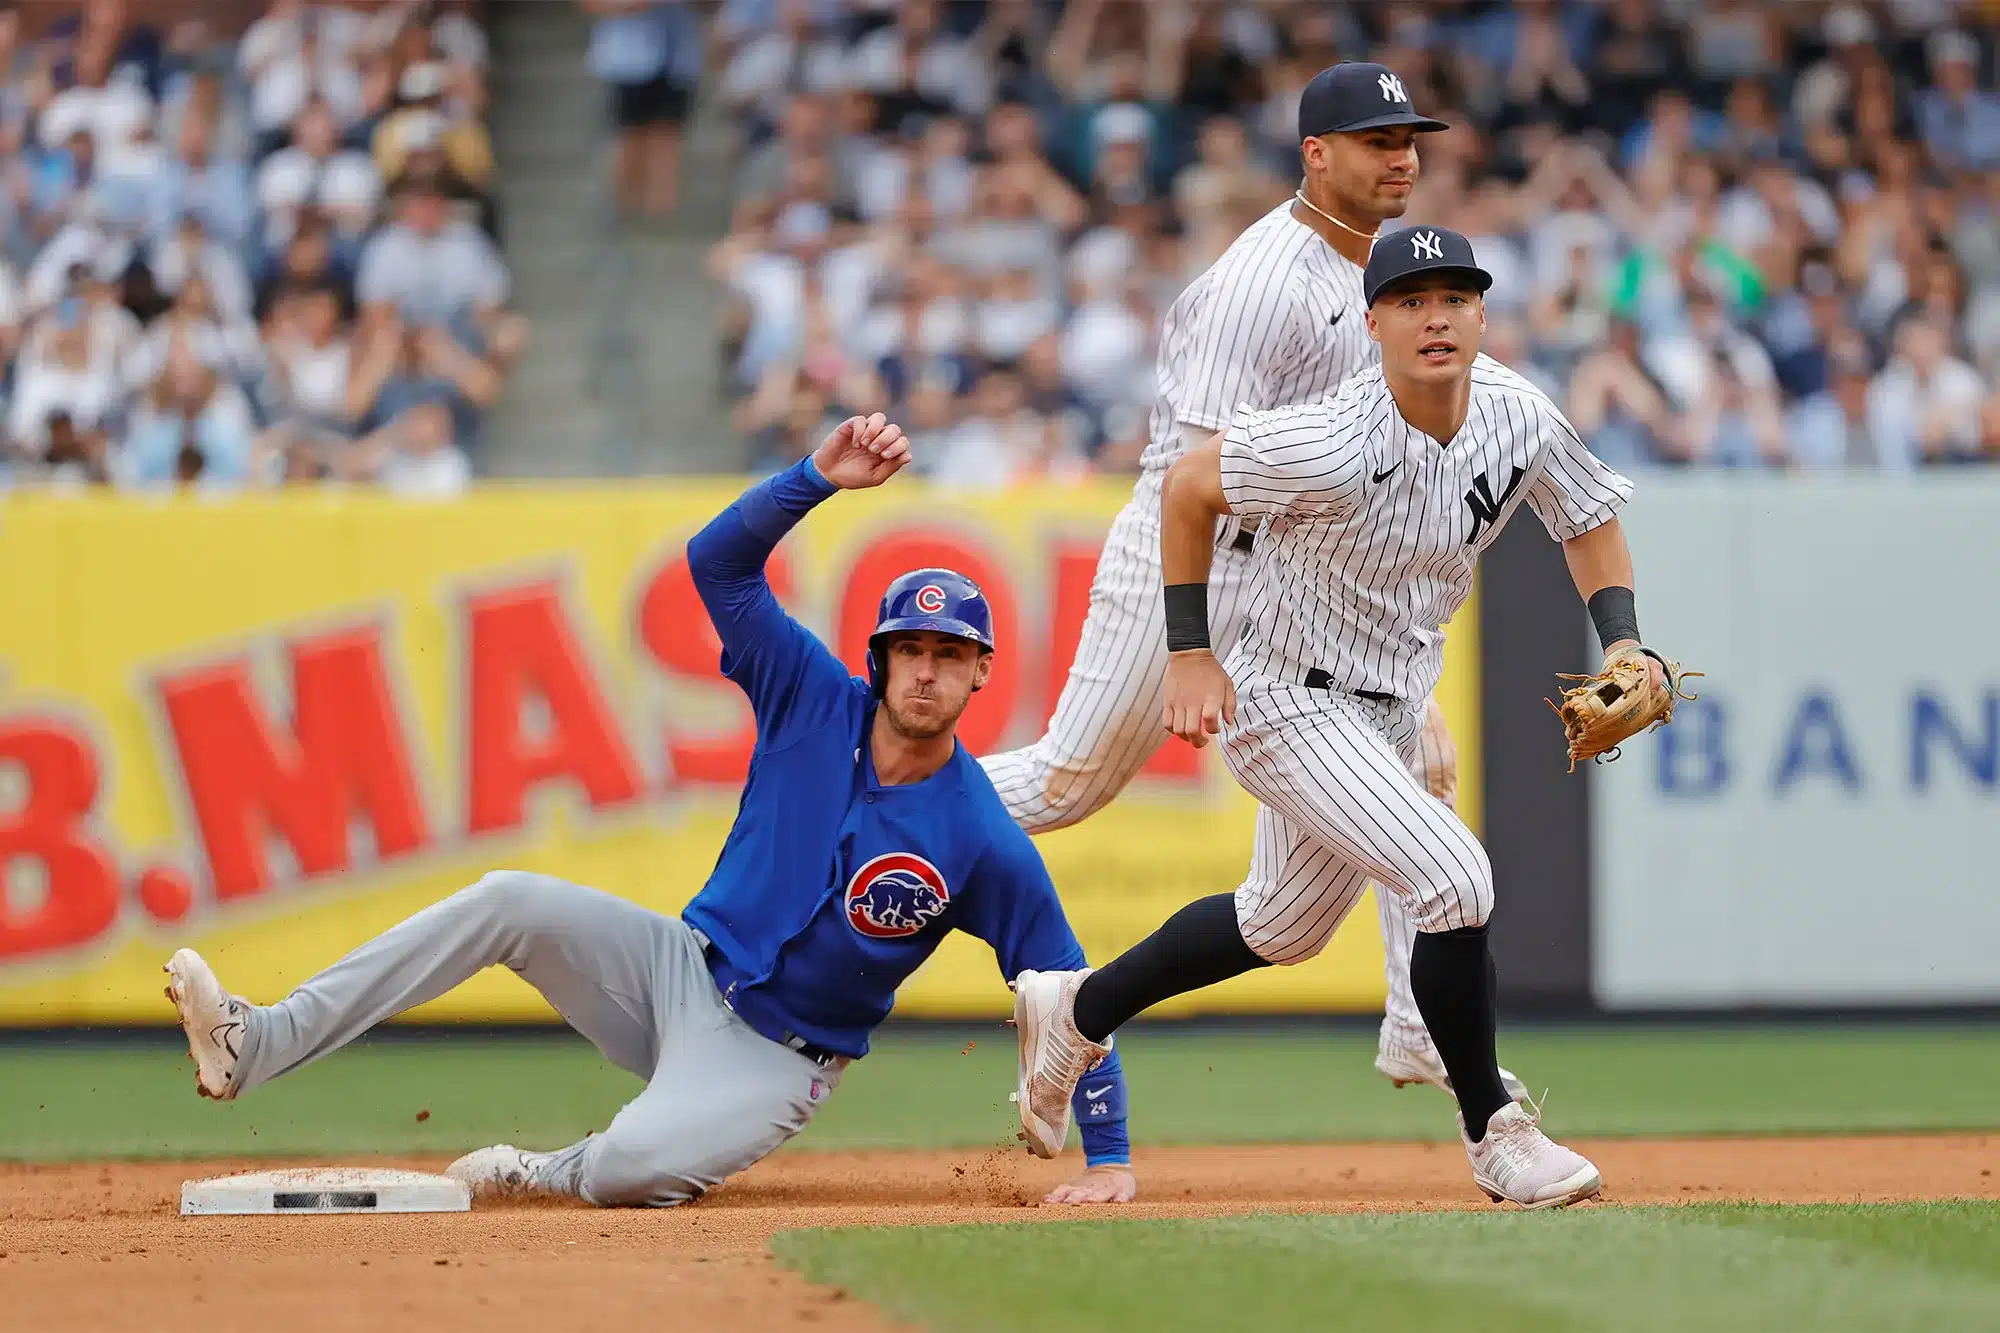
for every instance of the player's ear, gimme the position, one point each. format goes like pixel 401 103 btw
pixel 1482 313
pixel 1374 329
pixel 982 671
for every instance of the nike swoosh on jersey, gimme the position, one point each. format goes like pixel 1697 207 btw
pixel 1384 474
pixel 1337 315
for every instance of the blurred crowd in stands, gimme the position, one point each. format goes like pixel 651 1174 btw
pixel 1724 233
pixel 233 259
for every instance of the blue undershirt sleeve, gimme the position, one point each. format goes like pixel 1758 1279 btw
pixel 769 655
pixel 1099 1104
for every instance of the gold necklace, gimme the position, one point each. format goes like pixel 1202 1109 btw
pixel 1368 236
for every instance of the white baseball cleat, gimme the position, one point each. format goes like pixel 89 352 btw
pixel 212 1019
pixel 502 1171
pixel 1405 1063
pixel 1517 1163
pixel 1054 1056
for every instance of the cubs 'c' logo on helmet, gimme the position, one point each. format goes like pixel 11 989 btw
pixel 930 599
pixel 895 895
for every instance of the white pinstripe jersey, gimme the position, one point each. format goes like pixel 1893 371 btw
pixel 1277 319
pixel 1372 528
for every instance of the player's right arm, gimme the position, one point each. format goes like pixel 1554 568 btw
pixel 1290 460
pixel 1199 695
pixel 766 652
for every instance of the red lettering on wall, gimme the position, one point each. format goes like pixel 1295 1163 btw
pixel 898 552
pixel 1069 602
pixel 524 650
pixel 248 778
pixel 1072 565
pixel 58 766
pixel 674 628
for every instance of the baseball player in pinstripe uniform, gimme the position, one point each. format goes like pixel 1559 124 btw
pixel 1375 504
pixel 1276 320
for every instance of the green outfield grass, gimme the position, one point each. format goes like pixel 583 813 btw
pixel 1714 1268
pixel 925 1089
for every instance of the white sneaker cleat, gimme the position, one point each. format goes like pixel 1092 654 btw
pixel 1517 1163
pixel 1405 1063
pixel 502 1171
pixel 1054 1056
pixel 212 1019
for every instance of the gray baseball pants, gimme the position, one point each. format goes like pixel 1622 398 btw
pixel 718 1095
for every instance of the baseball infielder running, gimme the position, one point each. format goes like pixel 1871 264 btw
pixel 865 834
pixel 1376 504
pixel 1275 321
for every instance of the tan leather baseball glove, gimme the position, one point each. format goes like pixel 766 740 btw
pixel 1619 702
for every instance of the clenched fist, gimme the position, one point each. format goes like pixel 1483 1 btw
pixel 1200 696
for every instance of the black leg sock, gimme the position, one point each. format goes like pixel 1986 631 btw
pixel 1452 977
pixel 1198 946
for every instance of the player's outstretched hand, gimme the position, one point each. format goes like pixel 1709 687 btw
pixel 1200 697
pixel 1100 1184
pixel 862 452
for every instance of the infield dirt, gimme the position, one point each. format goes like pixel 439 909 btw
pixel 101 1246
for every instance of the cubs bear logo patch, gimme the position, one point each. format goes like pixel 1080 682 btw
pixel 895 895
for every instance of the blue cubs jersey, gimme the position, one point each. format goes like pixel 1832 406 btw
pixel 832 887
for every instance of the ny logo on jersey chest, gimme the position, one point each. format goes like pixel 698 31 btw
pixel 1485 506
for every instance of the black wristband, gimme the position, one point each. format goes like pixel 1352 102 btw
pixel 1613 611
pixel 1187 616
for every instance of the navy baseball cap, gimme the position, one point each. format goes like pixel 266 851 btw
pixel 1358 95
pixel 1404 254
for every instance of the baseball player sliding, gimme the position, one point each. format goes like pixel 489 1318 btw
pixel 1275 321
pixel 1375 504
pixel 865 834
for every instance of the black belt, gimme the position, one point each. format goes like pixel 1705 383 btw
pixel 1246 541
pixel 1320 680
pixel 819 1055
pixel 812 1051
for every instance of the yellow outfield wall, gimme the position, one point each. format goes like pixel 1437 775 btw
pixel 269 727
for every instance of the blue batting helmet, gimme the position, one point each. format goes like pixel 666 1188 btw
pixel 941 600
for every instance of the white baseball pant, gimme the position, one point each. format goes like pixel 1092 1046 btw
pixel 1106 724
pixel 1340 805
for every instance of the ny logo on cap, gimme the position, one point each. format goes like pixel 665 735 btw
pixel 1425 245
pixel 1392 89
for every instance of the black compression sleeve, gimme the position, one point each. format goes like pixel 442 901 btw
pixel 1614 613
pixel 1187 616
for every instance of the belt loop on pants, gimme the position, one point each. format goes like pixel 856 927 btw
pixel 1316 679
